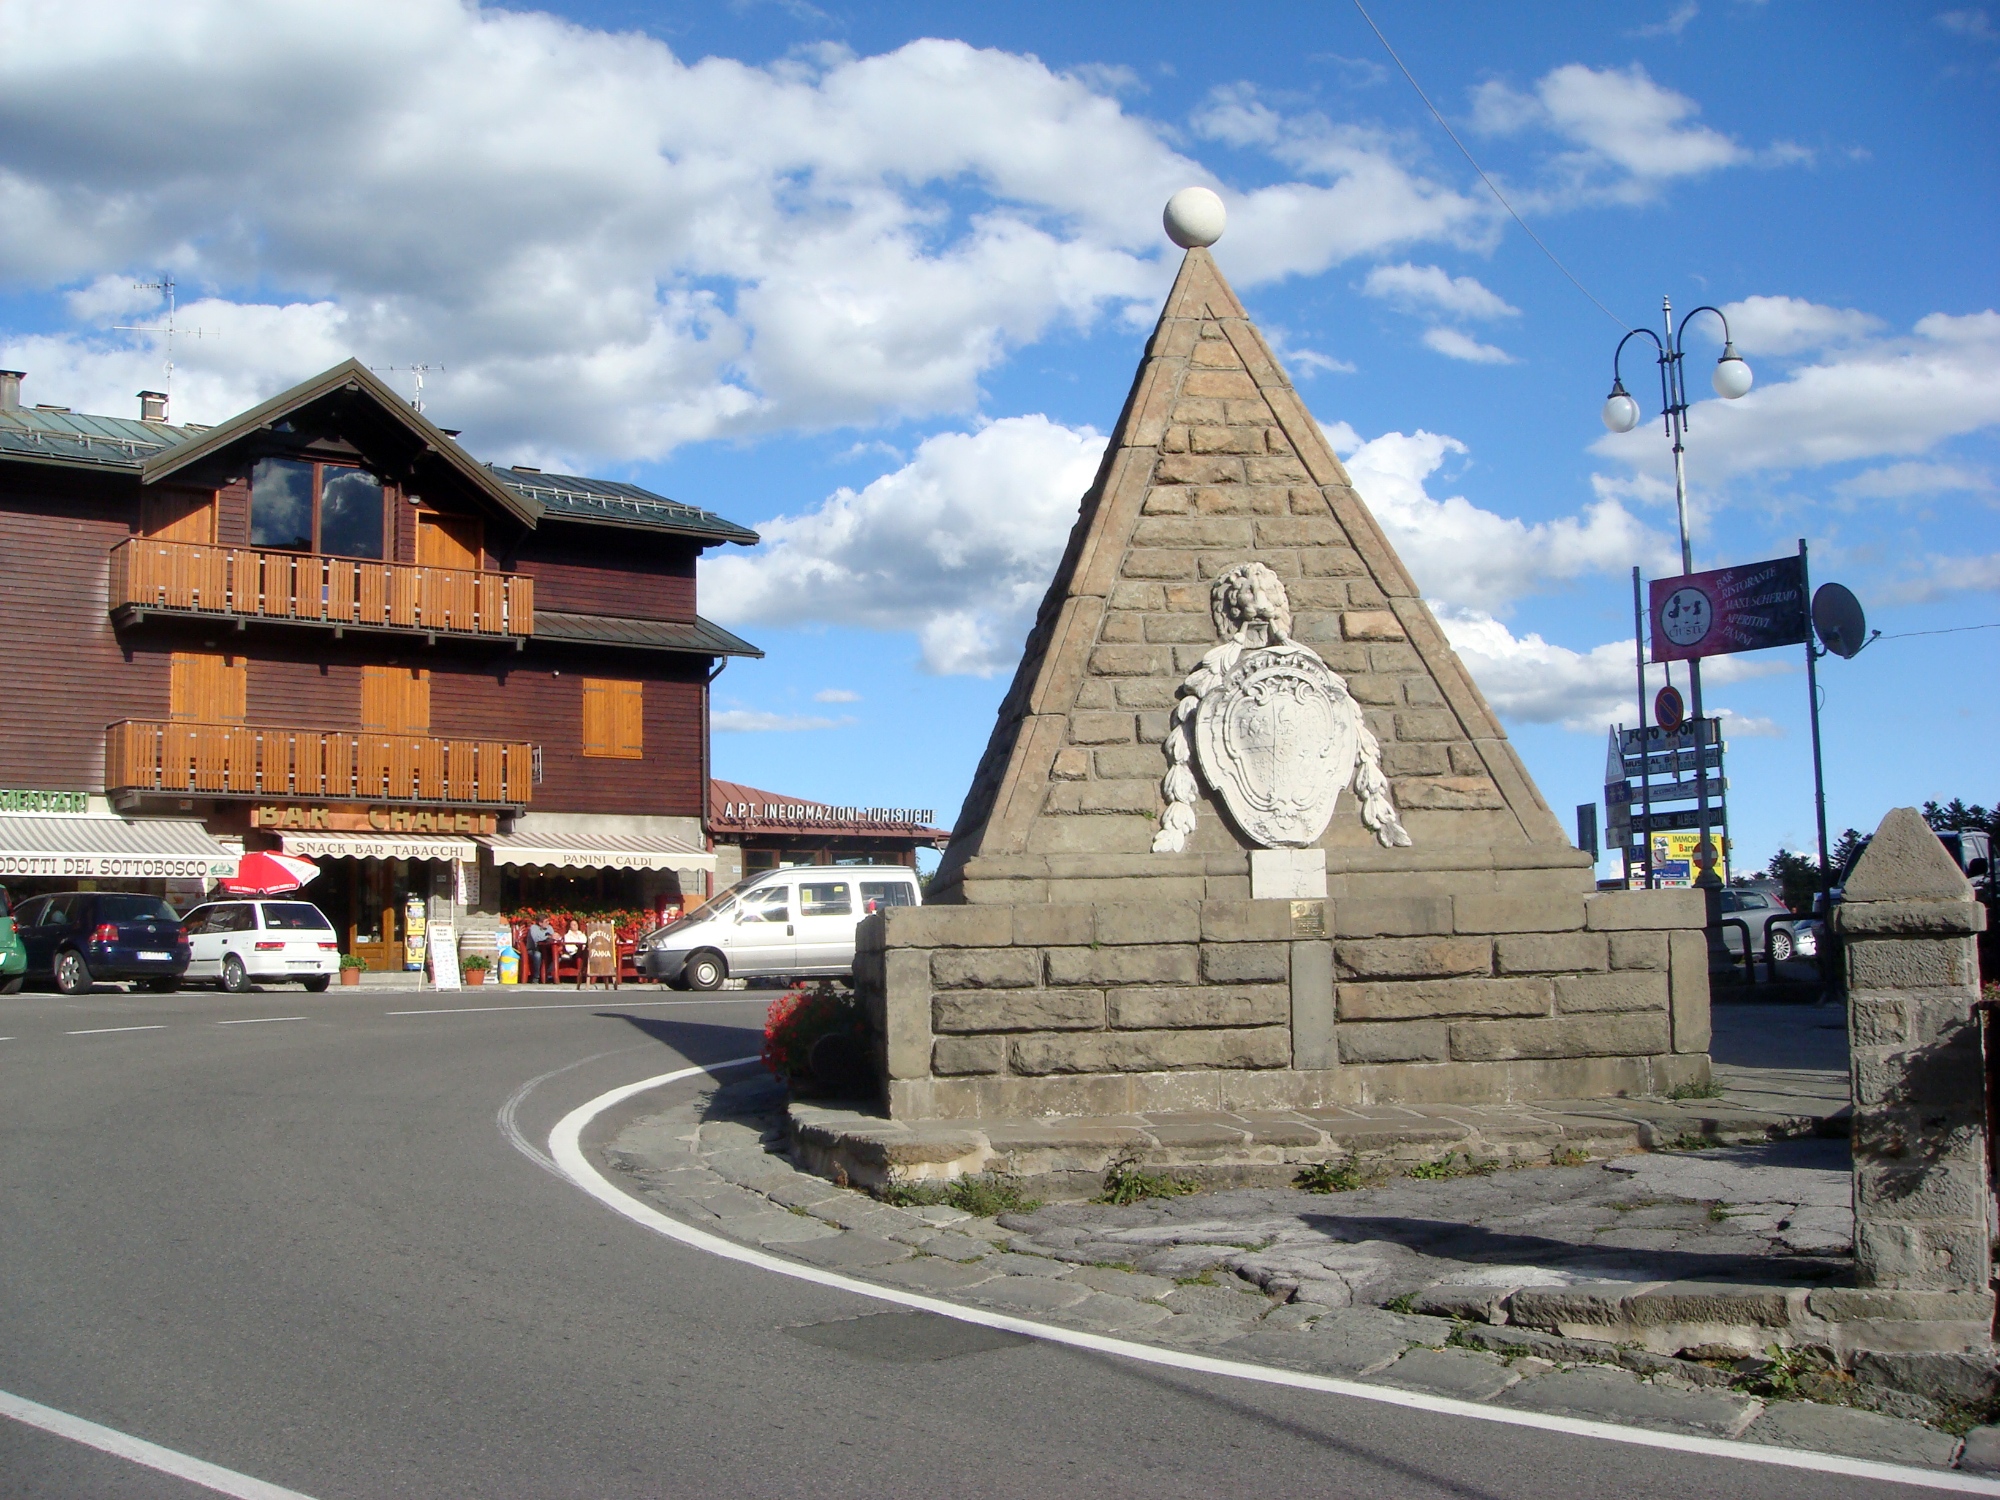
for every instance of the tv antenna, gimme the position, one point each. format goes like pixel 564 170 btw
pixel 419 371
pixel 169 328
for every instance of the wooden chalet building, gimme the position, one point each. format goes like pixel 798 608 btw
pixel 323 627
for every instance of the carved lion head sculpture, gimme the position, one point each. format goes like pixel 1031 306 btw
pixel 1250 594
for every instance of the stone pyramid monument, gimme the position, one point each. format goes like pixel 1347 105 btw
pixel 1246 829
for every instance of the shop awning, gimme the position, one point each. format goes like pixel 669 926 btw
pixel 606 851
pixel 378 846
pixel 111 848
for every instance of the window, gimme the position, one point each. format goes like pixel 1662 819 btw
pixel 396 700
pixel 230 918
pixel 767 906
pixel 877 895
pixel 828 900
pixel 310 507
pixel 206 688
pixel 614 716
pixel 123 908
pixel 295 916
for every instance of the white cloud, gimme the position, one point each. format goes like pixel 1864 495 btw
pixel 1907 480
pixel 1974 25
pixel 957 545
pixel 1737 726
pixel 1676 22
pixel 756 721
pixel 1531 680
pixel 610 250
pixel 1432 289
pixel 1628 134
pixel 1472 557
pixel 1888 398
pixel 1455 345
pixel 836 695
pixel 1948 575
pixel 1788 325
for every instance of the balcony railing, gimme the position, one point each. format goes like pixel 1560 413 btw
pixel 250 760
pixel 244 583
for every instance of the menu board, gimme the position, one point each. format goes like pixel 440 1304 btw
pixel 444 957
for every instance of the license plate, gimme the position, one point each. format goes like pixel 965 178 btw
pixel 302 963
pixel 163 958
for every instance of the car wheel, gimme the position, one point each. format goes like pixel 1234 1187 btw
pixel 317 984
pixel 1781 945
pixel 72 973
pixel 705 971
pixel 162 986
pixel 12 986
pixel 234 978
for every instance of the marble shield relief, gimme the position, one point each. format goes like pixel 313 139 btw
pixel 1271 729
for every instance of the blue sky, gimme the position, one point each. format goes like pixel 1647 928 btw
pixel 875 281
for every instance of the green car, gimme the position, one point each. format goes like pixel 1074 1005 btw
pixel 13 957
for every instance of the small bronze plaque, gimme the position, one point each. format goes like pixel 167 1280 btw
pixel 1308 919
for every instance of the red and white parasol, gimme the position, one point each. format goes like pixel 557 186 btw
pixel 265 874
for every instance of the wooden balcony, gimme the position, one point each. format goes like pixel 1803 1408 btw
pixel 245 584
pixel 238 760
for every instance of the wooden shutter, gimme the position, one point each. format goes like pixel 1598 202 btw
pixel 179 516
pixel 614 718
pixel 449 541
pixel 207 688
pixel 396 700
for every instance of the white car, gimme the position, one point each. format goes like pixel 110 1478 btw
pixel 238 943
pixel 790 923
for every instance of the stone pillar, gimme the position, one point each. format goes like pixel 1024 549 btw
pixel 1920 1162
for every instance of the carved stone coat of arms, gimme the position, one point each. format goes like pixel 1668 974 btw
pixel 1272 729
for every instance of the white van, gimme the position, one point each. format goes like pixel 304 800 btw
pixel 796 922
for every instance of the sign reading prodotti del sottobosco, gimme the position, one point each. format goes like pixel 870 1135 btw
pixel 1750 608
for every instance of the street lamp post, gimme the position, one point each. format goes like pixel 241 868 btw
pixel 1731 379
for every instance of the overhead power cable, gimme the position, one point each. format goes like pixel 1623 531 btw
pixel 1904 635
pixel 1491 186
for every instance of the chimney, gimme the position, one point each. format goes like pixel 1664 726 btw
pixel 152 406
pixel 10 388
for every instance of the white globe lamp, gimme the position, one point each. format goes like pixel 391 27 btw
pixel 1732 376
pixel 1194 218
pixel 1621 412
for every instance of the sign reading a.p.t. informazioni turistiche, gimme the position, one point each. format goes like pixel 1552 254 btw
pixel 1731 609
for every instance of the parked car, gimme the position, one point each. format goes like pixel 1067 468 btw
pixel 237 943
pixel 79 937
pixel 13 957
pixel 1754 906
pixel 787 924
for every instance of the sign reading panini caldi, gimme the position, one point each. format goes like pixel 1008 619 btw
pixel 1749 608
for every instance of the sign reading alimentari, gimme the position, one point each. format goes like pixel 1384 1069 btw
pixel 19 801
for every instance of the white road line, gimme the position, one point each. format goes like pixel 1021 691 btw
pixel 139 1451
pixel 473 1010
pixel 107 1030
pixel 258 1020
pixel 565 1146
pixel 510 1126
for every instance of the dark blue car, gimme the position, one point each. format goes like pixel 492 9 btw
pixel 79 937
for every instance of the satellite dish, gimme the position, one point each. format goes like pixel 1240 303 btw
pixel 1837 616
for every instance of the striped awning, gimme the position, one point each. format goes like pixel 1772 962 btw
pixel 604 851
pixel 111 849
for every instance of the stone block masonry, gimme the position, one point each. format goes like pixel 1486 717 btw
pixel 992 1011
pixel 1921 1187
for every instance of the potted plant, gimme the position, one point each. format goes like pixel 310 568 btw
pixel 476 966
pixel 351 965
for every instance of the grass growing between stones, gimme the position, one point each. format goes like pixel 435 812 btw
pixel 1325 1177
pixel 1690 1140
pixel 1708 1090
pixel 1126 1182
pixel 985 1196
pixel 1451 1165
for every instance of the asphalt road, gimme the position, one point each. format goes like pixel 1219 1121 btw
pixel 305 1250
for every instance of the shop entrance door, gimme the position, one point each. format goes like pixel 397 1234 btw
pixel 375 922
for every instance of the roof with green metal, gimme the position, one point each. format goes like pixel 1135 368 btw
pixel 72 437
pixel 570 497
pixel 699 637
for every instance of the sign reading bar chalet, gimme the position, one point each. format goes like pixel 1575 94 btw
pixel 807 814
pixel 315 817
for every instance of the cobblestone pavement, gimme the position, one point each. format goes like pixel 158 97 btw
pixel 1298 1281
